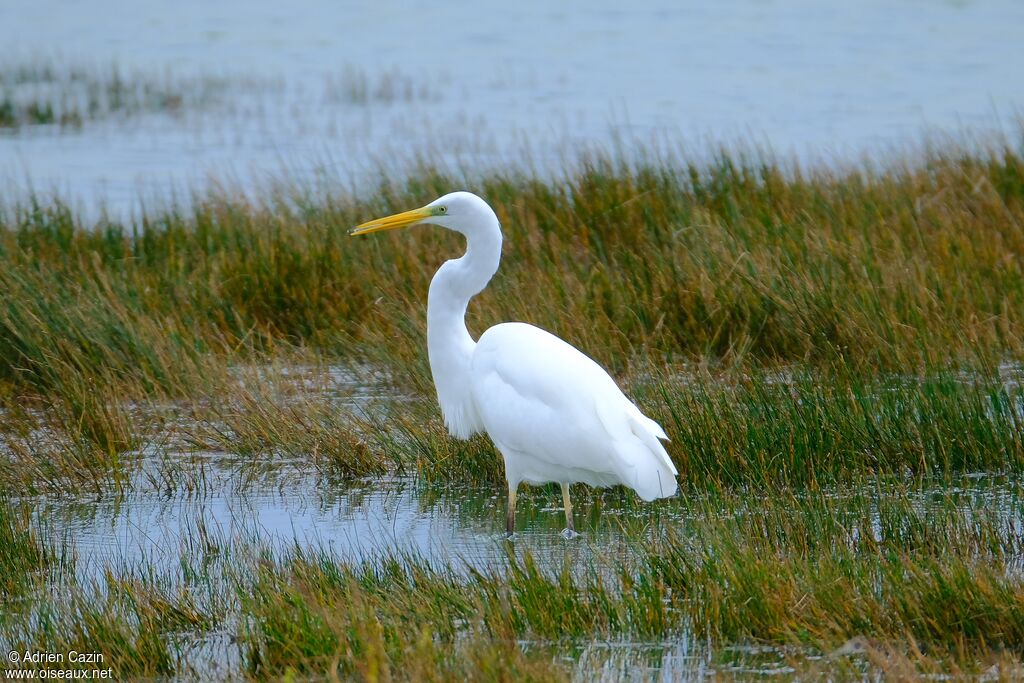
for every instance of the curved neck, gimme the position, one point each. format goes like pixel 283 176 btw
pixel 449 344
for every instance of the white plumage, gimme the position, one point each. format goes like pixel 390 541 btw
pixel 553 413
pixel 556 416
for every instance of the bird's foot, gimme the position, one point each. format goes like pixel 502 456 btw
pixel 569 534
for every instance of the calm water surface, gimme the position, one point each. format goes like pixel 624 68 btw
pixel 159 533
pixel 454 524
pixel 825 80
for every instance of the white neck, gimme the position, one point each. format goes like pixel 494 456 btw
pixel 448 342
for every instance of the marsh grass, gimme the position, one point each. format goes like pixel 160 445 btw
pixel 354 86
pixel 23 554
pixel 142 619
pixel 731 580
pixel 862 659
pixel 806 573
pixel 824 426
pixel 904 268
pixel 900 268
pixel 51 93
pixel 758 428
pixel 851 281
pixel 262 418
pixel 769 430
pixel 127 627
pixel 412 437
pixel 314 618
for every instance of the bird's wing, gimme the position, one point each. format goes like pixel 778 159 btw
pixel 541 396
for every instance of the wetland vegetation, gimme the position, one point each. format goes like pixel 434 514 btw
pixel 68 96
pixel 40 93
pixel 835 355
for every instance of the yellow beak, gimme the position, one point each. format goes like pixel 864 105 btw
pixel 399 220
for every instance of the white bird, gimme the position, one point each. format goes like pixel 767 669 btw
pixel 553 413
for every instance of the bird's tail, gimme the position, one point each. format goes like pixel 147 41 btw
pixel 643 463
pixel 654 472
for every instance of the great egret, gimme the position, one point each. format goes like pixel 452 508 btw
pixel 553 413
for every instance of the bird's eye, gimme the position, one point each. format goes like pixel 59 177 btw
pixel 444 209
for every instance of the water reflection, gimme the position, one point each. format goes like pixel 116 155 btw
pixel 457 524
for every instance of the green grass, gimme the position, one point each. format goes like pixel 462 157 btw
pixel 810 428
pixel 805 572
pixel 24 557
pixel 262 418
pixel 821 428
pixel 899 268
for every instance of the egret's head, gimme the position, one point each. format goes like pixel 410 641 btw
pixel 459 211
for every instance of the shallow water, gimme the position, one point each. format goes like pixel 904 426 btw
pixel 153 532
pixel 366 519
pixel 355 521
pixel 821 80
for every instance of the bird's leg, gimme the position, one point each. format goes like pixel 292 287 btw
pixel 510 518
pixel 570 529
